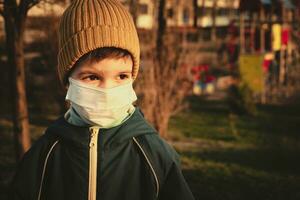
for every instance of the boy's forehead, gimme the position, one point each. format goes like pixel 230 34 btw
pixel 107 64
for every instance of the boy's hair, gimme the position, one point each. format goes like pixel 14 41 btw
pixel 96 56
pixel 87 25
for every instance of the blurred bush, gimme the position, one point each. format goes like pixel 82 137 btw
pixel 241 100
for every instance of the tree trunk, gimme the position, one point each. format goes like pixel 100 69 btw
pixel 162 122
pixel 262 30
pixel 159 83
pixel 195 6
pixel 252 32
pixel 214 15
pixel 202 16
pixel 133 8
pixel 161 29
pixel 203 8
pixel 14 29
pixel 242 33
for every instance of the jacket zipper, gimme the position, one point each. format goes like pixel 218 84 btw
pixel 93 163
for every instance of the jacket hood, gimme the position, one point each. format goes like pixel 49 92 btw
pixel 134 126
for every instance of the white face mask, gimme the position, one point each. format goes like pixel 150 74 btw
pixel 98 106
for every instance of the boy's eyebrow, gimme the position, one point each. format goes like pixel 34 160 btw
pixel 87 71
pixel 128 71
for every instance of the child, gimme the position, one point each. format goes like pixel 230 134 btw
pixel 102 148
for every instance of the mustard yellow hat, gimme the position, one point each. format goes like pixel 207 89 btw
pixel 90 24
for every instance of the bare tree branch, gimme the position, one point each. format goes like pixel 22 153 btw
pixel 33 3
pixel 26 5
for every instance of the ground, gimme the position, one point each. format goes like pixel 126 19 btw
pixel 225 156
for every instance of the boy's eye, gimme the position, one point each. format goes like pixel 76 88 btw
pixel 123 76
pixel 90 78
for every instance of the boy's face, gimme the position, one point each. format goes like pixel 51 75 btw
pixel 107 73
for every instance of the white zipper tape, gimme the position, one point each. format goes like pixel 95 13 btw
pixel 44 168
pixel 149 163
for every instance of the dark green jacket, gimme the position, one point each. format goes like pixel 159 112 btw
pixel 131 162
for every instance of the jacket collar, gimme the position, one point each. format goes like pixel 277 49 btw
pixel 136 125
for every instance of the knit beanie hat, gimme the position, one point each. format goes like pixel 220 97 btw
pixel 90 24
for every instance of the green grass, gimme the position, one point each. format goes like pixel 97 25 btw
pixel 225 156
